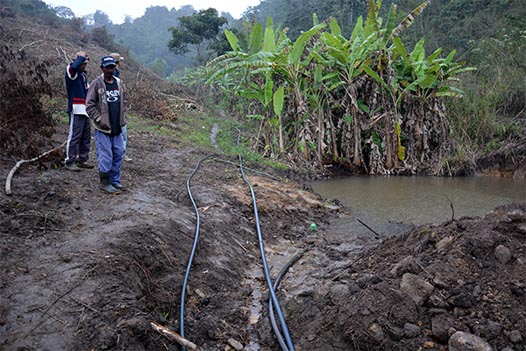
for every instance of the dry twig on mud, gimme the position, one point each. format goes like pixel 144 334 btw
pixel 237 241
pixel 84 304
pixel 21 162
pixel 173 336
pixel 377 236
pixel 45 312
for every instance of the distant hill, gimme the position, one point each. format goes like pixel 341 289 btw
pixel 147 37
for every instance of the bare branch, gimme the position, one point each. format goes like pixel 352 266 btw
pixel 21 162
pixel 170 334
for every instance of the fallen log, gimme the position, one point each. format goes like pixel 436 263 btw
pixel 21 162
pixel 173 336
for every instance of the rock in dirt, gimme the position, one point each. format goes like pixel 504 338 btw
pixel 416 288
pixel 441 326
pixel 516 337
pixel 339 293
pixel 494 329
pixel 502 254
pixel 411 330
pixel 461 341
pixel 235 344
pixel 402 266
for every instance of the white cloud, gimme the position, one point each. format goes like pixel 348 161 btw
pixel 117 11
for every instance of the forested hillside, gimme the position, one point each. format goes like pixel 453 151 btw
pixel 448 24
pixel 147 38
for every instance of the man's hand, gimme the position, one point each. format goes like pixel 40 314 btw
pixel 83 54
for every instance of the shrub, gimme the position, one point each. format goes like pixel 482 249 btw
pixel 24 126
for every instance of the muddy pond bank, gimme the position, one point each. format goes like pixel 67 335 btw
pixel 391 204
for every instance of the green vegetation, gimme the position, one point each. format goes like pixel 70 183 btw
pixel 486 34
pixel 35 8
pixel 147 37
pixel 496 94
pixel 200 30
pixel 193 130
pixel 489 35
pixel 365 100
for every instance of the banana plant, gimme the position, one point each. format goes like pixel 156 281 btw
pixel 347 57
pixel 426 76
pixel 278 101
pixel 292 70
pixel 255 70
pixel 385 70
pixel 324 92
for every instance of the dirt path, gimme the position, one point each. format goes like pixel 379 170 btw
pixel 86 270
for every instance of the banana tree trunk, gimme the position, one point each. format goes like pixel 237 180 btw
pixel 388 136
pixel 280 131
pixel 300 113
pixel 321 137
pixel 357 159
pixel 356 124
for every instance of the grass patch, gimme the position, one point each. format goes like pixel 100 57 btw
pixel 196 130
pixel 227 142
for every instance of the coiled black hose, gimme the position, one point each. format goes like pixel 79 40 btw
pixel 194 246
pixel 287 345
pixel 273 296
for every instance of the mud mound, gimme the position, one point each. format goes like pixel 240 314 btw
pixel 416 290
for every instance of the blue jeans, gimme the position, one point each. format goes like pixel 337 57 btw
pixel 110 150
pixel 124 134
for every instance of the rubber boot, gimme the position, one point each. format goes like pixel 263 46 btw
pixel 119 186
pixel 105 184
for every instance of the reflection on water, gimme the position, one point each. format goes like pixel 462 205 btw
pixel 379 201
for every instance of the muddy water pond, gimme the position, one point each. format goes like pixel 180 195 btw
pixel 390 205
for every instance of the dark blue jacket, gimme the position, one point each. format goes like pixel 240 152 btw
pixel 76 86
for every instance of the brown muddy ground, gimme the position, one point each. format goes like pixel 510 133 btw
pixel 81 270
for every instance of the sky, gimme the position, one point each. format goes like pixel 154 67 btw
pixel 118 10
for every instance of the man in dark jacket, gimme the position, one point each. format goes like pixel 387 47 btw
pixel 79 137
pixel 105 106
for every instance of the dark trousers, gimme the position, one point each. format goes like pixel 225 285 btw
pixel 79 138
